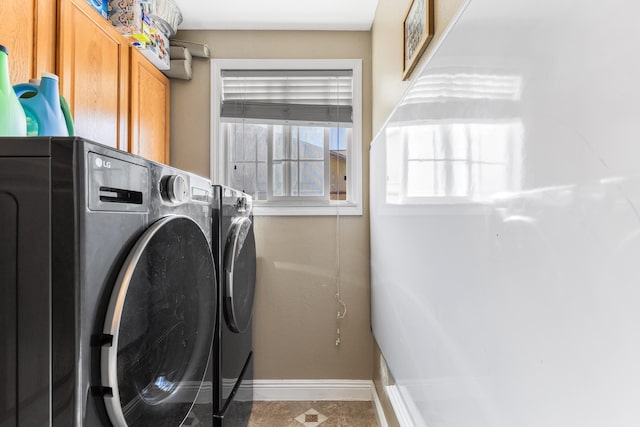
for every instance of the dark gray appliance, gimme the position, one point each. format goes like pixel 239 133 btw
pixel 234 251
pixel 108 298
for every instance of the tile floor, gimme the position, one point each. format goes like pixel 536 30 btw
pixel 311 414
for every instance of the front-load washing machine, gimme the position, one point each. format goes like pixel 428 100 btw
pixel 234 251
pixel 108 299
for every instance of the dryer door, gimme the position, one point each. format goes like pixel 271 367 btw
pixel 239 274
pixel 160 320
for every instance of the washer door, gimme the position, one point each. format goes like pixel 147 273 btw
pixel 239 274
pixel 161 319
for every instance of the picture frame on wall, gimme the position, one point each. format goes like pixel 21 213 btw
pixel 417 33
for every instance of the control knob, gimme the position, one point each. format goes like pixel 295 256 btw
pixel 175 189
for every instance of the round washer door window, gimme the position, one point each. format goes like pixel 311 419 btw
pixel 239 274
pixel 161 319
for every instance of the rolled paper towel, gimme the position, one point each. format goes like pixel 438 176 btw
pixel 196 49
pixel 179 52
pixel 180 69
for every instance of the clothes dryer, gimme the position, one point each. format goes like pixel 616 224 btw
pixel 234 251
pixel 109 292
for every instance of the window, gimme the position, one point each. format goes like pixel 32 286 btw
pixel 289 134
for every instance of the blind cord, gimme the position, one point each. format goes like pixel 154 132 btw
pixel 341 305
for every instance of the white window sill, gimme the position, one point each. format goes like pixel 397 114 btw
pixel 310 210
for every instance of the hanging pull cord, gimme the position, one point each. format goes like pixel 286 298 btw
pixel 342 312
pixel 342 306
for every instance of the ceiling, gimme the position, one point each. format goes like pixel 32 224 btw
pixel 277 14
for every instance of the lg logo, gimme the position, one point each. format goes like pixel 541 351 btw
pixel 103 163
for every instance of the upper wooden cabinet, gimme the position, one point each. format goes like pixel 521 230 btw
pixel 94 74
pixel 117 97
pixel 28 31
pixel 150 110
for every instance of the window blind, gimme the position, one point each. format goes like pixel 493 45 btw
pixel 290 95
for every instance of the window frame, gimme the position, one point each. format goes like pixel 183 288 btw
pixel 218 150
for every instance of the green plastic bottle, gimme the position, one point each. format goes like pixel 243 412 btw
pixel 13 121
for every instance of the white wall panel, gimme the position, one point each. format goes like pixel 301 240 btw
pixel 505 220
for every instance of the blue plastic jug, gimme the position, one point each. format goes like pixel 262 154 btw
pixel 47 112
pixel 12 118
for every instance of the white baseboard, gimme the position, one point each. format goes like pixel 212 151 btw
pixel 377 405
pixel 312 389
pixel 346 390
pixel 399 406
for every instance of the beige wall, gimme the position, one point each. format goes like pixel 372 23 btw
pixel 295 313
pixel 386 52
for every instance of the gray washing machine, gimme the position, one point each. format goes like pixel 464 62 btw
pixel 108 296
pixel 234 251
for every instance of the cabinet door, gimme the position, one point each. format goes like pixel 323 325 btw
pixel 150 110
pixel 29 33
pixel 94 73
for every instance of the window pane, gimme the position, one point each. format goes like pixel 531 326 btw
pixel 293 145
pixel 249 142
pixel 245 140
pixel 278 179
pixel 312 178
pixel 236 175
pixel 338 138
pixel 337 172
pixel 249 179
pixel 262 181
pixel 311 143
pixel 278 143
pixel 262 145
pixel 293 167
pixel 338 142
pixel 243 177
pixel 235 133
